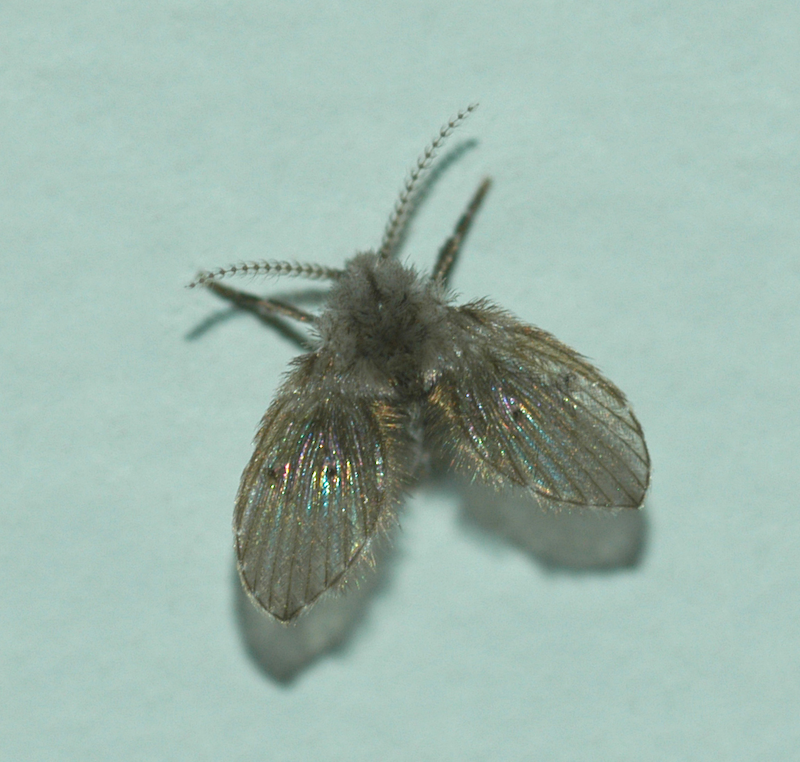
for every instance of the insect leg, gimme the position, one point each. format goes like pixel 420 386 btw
pixel 259 305
pixel 449 252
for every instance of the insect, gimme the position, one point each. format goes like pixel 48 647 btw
pixel 397 369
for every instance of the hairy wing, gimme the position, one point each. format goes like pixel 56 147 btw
pixel 327 473
pixel 520 408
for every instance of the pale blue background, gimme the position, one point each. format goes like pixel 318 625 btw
pixel 646 209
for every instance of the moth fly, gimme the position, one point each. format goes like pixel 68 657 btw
pixel 397 369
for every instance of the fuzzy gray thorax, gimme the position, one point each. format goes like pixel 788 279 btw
pixel 385 325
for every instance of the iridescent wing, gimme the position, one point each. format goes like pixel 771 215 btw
pixel 519 408
pixel 327 474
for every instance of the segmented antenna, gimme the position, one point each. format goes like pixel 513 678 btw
pixel 266 268
pixel 405 201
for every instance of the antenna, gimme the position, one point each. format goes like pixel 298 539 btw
pixel 405 201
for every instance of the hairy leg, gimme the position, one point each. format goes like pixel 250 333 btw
pixel 260 306
pixel 449 252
